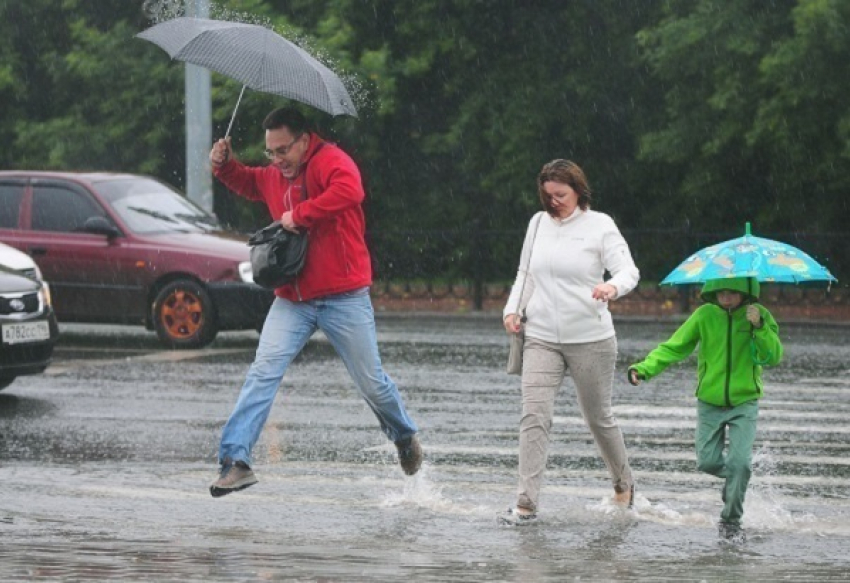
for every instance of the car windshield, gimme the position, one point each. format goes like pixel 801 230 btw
pixel 148 206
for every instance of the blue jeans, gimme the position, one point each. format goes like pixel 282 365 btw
pixel 348 322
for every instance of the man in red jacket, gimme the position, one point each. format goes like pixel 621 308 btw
pixel 331 293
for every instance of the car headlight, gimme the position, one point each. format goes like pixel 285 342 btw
pixel 245 272
pixel 44 294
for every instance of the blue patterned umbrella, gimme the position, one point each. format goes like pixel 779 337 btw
pixel 749 256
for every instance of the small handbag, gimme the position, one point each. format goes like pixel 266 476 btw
pixel 515 353
pixel 277 255
pixel 517 341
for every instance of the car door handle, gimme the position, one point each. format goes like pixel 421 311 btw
pixel 37 251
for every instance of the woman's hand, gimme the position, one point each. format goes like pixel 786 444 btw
pixel 604 292
pixel 512 323
pixel 634 377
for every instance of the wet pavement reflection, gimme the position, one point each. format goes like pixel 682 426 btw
pixel 105 462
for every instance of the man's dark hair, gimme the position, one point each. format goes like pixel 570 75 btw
pixel 287 117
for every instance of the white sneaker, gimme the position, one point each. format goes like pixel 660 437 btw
pixel 514 518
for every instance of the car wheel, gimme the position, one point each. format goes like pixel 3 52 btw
pixel 6 381
pixel 183 315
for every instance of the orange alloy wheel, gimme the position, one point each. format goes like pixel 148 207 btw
pixel 182 314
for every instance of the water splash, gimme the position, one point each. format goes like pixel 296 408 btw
pixel 221 13
pixel 419 491
pixel 763 508
pixel 607 505
pixel 161 10
pixel 644 509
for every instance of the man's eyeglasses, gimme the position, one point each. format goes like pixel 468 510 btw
pixel 281 151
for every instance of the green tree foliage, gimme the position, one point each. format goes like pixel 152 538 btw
pixel 802 125
pixel 469 98
pixel 706 55
pixel 82 93
pixel 754 126
pixel 696 112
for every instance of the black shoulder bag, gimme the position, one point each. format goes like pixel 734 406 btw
pixel 278 255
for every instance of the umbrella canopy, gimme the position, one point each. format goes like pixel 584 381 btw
pixel 256 56
pixel 749 256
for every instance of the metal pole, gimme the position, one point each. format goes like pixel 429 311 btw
pixel 198 123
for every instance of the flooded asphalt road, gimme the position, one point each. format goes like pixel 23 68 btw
pixel 105 463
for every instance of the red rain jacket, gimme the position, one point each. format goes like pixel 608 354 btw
pixel 337 258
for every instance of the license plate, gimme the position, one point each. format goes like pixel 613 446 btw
pixel 26 332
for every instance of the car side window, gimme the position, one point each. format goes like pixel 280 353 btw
pixel 55 208
pixel 10 205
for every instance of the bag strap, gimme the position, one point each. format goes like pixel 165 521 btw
pixel 304 172
pixel 527 266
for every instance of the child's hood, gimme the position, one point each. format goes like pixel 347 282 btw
pixel 749 286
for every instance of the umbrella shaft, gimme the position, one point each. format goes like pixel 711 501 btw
pixel 232 117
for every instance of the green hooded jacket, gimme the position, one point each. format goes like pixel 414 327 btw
pixel 731 350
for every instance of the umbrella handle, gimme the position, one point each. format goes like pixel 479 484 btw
pixel 232 117
pixel 754 351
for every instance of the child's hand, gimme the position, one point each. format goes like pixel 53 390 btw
pixel 754 316
pixel 634 377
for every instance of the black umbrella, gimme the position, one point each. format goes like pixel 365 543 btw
pixel 257 57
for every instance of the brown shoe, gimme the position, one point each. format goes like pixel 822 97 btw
pixel 409 454
pixel 234 476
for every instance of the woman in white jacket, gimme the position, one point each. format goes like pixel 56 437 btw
pixel 568 327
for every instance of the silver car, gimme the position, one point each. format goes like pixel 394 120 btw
pixel 28 329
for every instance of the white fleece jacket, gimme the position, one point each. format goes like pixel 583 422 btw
pixel 569 259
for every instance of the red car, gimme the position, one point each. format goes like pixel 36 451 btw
pixel 122 248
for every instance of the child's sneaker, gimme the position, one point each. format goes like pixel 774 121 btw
pixel 234 476
pixel 731 532
pixel 514 518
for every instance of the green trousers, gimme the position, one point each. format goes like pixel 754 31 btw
pixel 735 465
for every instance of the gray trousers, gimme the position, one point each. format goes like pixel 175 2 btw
pixel 544 365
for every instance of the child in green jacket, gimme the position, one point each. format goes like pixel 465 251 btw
pixel 736 337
